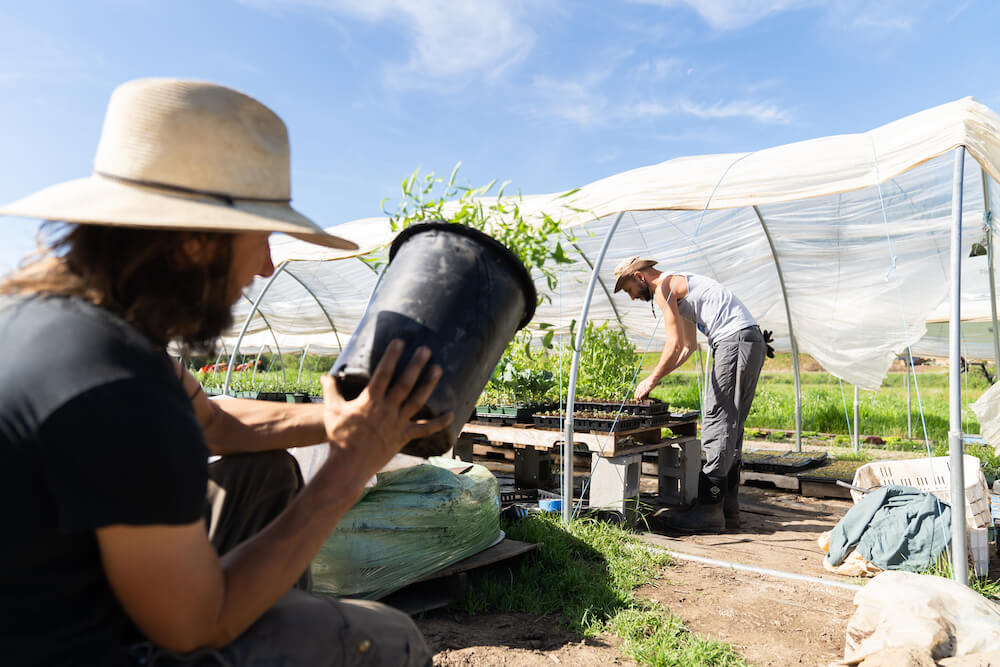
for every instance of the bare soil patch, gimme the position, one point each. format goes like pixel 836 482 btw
pixel 769 620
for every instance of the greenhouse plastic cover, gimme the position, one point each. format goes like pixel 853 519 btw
pixel 412 522
pixel 857 225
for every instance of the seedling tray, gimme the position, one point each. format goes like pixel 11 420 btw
pixel 641 408
pixel 543 421
pixel 831 472
pixel 784 462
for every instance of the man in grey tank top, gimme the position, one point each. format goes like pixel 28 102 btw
pixel 689 302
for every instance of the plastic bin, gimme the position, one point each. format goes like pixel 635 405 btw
pixel 918 474
pixel 979 549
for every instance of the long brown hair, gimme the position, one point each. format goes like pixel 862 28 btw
pixel 142 275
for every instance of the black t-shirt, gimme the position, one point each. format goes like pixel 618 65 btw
pixel 95 430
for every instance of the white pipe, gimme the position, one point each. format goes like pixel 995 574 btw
pixel 959 544
pixel 567 490
pixel 756 570
pixel 988 229
pixel 791 332
pixel 909 409
pixel 857 432
pixel 302 362
pixel 246 325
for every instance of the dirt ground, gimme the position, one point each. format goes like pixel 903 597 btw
pixel 769 620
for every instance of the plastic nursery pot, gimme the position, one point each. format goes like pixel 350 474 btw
pixel 455 290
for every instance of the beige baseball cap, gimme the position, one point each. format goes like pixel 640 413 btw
pixel 630 266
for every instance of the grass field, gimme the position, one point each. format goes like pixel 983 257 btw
pixel 827 405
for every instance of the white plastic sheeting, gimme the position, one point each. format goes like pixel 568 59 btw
pixel 860 226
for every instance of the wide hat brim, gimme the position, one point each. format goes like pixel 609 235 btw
pixel 102 201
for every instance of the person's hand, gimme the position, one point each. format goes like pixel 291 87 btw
pixel 767 341
pixel 379 422
pixel 643 389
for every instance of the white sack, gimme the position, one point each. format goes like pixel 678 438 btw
pixel 902 609
pixel 987 410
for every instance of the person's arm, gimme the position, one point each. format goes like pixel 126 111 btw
pixel 242 426
pixel 182 596
pixel 680 334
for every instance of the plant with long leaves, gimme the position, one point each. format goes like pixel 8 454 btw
pixel 430 197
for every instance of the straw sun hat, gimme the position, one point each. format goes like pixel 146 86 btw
pixel 183 155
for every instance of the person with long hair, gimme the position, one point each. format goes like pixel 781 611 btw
pixel 124 546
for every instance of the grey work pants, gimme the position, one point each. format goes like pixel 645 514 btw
pixel 736 364
pixel 245 493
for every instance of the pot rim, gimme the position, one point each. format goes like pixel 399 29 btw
pixel 520 271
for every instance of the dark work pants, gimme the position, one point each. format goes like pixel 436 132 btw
pixel 736 364
pixel 245 493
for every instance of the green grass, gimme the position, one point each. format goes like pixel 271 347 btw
pixel 985 586
pixel 587 573
pixel 825 409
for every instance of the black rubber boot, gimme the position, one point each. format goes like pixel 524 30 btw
pixel 731 501
pixel 705 516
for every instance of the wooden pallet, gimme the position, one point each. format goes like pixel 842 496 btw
pixel 615 444
pixel 447 585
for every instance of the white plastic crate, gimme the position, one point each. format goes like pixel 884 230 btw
pixel 918 474
pixel 979 549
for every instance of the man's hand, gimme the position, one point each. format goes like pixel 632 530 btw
pixel 643 389
pixel 379 422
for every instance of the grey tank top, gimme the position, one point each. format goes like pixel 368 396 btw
pixel 714 309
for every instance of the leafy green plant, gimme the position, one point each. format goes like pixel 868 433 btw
pixel 511 383
pixel 430 197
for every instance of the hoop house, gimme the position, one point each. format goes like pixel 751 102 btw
pixel 844 246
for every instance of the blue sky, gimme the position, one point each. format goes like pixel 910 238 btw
pixel 548 94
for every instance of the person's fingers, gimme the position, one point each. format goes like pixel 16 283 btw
pixel 404 385
pixel 379 383
pixel 420 395
pixel 425 427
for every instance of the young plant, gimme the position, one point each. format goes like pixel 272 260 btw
pixel 429 198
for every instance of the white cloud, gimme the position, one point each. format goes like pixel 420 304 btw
pixel 761 112
pixel 897 23
pixel 450 40
pixel 580 100
pixel 585 101
pixel 734 14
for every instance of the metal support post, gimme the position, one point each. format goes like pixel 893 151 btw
pixel 959 542
pixel 990 268
pixel 857 435
pixel 567 490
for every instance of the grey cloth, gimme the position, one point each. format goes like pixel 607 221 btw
pixel 736 365
pixel 895 528
pixel 304 630
pixel 245 493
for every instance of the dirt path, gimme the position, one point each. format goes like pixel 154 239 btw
pixel 769 620
pixel 515 640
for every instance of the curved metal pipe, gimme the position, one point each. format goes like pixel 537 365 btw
pixel 604 287
pixel 567 490
pixel 246 325
pixel 320 304
pixel 791 334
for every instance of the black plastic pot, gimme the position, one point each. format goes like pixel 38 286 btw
pixel 460 293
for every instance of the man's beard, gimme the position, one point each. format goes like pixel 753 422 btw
pixel 645 291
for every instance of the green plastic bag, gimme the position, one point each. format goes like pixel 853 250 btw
pixel 413 522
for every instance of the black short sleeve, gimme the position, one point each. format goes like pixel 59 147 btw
pixel 141 459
